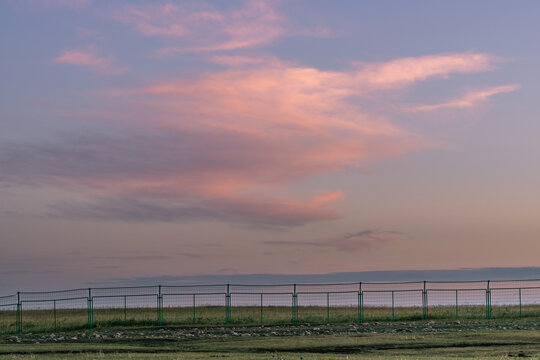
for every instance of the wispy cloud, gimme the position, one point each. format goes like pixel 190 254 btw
pixel 88 57
pixel 238 60
pixel 407 71
pixel 277 212
pixel 200 27
pixel 470 99
pixel 360 241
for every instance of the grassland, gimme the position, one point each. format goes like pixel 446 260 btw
pixel 73 319
pixel 321 333
pixel 422 340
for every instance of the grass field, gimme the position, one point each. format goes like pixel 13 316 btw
pixel 66 319
pixel 417 344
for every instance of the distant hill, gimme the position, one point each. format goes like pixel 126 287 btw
pixel 364 276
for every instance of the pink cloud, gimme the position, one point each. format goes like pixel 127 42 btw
pixel 470 99
pixel 232 145
pixel 406 71
pixel 202 28
pixel 88 57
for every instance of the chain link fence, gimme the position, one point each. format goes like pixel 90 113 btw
pixel 267 304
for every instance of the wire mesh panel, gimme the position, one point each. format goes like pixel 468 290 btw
pixel 342 306
pixel 453 285
pixel 8 313
pixel 71 313
pixel 312 307
pixel 37 315
pixel 443 303
pixel 277 308
pixel 193 289
pixel 377 305
pixel 514 284
pixel 209 308
pixel 388 286
pixel 64 309
pixel 189 304
pixel 246 308
pixel 266 289
pixel 267 304
pixel 126 305
pixel 505 303
pixel 407 304
pixel 472 304
pixel 324 288
pixel 179 308
pixel 530 299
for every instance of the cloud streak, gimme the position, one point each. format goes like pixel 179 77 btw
pixel 201 28
pixel 470 99
pixel 361 241
pixel 407 71
pixel 88 57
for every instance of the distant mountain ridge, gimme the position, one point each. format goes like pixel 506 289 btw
pixel 495 273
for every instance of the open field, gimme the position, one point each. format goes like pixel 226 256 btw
pixel 396 340
pixel 72 319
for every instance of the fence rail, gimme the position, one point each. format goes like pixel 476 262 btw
pixel 267 304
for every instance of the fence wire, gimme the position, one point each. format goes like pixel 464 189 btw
pixel 268 304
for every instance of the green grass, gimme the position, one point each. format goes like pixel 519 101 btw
pixel 446 345
pixel 66 319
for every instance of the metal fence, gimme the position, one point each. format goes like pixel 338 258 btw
pixel 268 304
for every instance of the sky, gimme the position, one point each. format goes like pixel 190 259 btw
pixel 148 139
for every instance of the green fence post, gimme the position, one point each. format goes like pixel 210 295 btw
pixel 294 306
pixel 90 308
pixel 520 303
pixel 159 307
pixel 393 315
pixel 194 310
pixel 228 306
pixel 18 321
pixel 427 305
pixel 456 303
pixel 360 303
pixel 488 302
pixel 54 312
pixel 424 303
pixel 125 309
pixel 261 308
pixel 328 307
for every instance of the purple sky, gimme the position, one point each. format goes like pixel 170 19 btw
pixel 156 138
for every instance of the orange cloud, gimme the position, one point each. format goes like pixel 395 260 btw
pixel 89 58
pixel 470 99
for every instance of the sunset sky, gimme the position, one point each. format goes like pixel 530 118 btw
pixel 153 138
